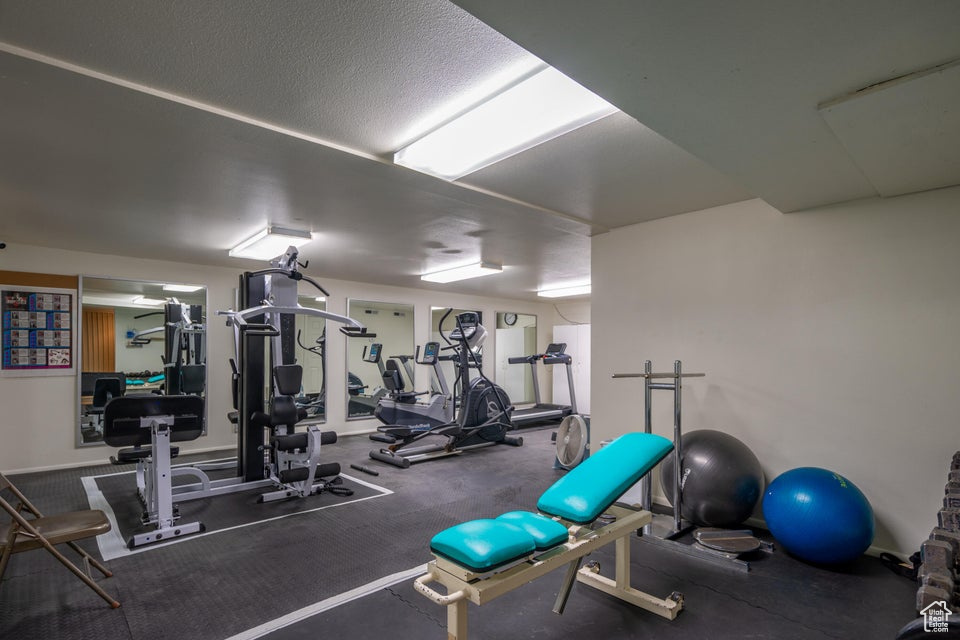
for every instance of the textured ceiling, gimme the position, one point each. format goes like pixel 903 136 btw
pixel 172 130
pixel 737 84
pixel 180 127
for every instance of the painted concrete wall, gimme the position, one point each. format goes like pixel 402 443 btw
pixel 829 338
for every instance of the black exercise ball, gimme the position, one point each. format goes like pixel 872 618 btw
pixel 721 479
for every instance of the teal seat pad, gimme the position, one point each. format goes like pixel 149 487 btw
pixel 483 545
pixel 545 532
pixel 588 489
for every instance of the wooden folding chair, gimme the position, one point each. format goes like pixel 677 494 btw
pixel 43 532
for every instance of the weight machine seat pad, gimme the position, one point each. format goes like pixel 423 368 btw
pixel 483 545
pixel 122 416
pixel 588 489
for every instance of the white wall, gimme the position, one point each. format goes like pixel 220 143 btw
pixel 148 357
pixel 829 338
pixel 40 414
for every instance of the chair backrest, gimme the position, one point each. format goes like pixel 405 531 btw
pixel 392 379
pixel 122 418
pixel 105 389
pixel 88 380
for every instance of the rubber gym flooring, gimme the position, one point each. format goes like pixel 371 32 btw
pixel 234 580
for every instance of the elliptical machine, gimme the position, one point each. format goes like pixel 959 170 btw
pixel 482 413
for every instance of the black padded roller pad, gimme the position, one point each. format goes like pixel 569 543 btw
pixel 328 437
pixel 288 378
pixel 121 418
pixel 291 442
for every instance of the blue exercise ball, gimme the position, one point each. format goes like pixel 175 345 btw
pixel 818 515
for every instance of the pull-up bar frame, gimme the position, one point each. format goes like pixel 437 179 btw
pixel 649 386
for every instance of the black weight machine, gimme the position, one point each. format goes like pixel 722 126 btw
pixel 264 340
pixel 482 416
pixel 287 461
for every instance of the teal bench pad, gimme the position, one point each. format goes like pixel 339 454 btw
pixel 483 545
pixel 545 532
pixel 588 489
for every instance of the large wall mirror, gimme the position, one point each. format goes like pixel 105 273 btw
pixel 516 336
pixel 366 358
pixel 311 355
pixel 137 337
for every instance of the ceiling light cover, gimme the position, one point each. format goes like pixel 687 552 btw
pixel 270 243
pixel 564 292
pixel 462 273
pixel 531 112
pixel 148 301
pixel 182 288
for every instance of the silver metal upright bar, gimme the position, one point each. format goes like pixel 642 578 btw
pixel 677 446
pixel 676 386
pixel 646 486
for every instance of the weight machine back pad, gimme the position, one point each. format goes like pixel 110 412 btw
pixel 122 418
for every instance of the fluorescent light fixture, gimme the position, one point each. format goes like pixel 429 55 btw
pixel 462 273
pixel 321 298
pixel 148 301
pixel 563 292
pixel 543 106
pixel 182 288
pixel 270 243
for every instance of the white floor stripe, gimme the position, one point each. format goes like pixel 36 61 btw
pixel 329 603
pixel 112 545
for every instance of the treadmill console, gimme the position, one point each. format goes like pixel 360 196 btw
pixel 555 349
pixel 468 323
pixel 372 353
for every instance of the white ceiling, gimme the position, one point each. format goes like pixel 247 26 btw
pixel 175 129
pixel 737 83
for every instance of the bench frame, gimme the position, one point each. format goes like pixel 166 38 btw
pixel 463 585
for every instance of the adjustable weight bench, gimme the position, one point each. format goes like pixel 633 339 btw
pixel 480 560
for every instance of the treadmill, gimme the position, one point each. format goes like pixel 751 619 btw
pixel 543 411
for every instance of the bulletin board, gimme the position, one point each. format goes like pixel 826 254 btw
pixel 38 327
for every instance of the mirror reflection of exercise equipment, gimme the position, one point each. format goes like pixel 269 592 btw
pixel 393 324
pixel 312 338
pixel 137 338
pixel 516 337
pixel 723 470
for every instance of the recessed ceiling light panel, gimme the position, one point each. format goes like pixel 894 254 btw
pixel 531 112
pixel 462 273
pixel 565 292
pixel 270 243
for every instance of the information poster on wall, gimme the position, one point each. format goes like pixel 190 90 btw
pixel 38 330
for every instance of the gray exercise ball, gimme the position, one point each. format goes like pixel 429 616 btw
pixel 721 479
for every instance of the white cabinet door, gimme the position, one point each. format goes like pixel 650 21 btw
pixel 577 338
